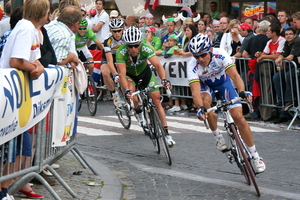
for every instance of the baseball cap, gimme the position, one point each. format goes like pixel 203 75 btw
pixel 216 22
pixel 114 13
pixel 245 26
pixel 93 11
pixel 151 29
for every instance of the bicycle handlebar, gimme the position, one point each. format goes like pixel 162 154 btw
pixel 150 88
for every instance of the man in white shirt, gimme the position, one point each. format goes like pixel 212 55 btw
pixel 101 21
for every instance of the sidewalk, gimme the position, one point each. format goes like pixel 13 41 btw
pixel 107 185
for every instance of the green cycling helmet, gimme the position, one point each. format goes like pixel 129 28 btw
pixel 83 22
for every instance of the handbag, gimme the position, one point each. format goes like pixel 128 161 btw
pixel 80 78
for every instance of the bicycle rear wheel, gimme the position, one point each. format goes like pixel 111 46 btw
pixel 161 133
pixel 91 96
pixel 242 150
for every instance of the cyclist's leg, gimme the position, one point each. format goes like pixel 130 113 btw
pixel 107 77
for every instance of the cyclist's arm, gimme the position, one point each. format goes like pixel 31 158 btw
pixel 122 75
pixel 195 89
pixel 236 78
pixel 99 44
pixel 159 68
pixel 110 62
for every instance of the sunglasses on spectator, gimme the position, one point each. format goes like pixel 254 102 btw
pixel 82 28
pixel 133 45
pixel 117 31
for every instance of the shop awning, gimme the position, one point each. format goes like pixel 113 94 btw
pixel 131 7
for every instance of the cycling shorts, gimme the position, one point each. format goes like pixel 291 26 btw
pixel 85 52
pixel 149 80
pixel 226 91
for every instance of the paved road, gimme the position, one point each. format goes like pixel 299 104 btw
pixel 199 170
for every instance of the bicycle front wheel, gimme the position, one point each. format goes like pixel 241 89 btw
pixel 91 96
pixel 150 128
pixel 124 116
pixel 242 150
pixel 239 160
pixel 161 133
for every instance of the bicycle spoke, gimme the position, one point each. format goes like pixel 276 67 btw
pixel 91 96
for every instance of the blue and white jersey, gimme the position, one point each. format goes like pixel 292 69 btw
pixel 214 74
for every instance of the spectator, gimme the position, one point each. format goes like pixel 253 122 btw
pixel 217 29
pixel 151 40
pixel 257 43
pixel 207 18
pixel 211 34
pixel 4 23
pixel 62 38
pixel 149 21
pixel 296 20
pixel 246 32
pixel 113 14
pixel 171 31
pixel 130 21
pixel 224 14
pixel 202 25
pixel 179 24
pixel 224 23
pixel 100 22
pixel 283 18
pixel 232 39
pixel 213 9
pixel 141 22
pixel 190 31
pixel 13 56
pixel 272 50
pixel 286 83
pixel 62 4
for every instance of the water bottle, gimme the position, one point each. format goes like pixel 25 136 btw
pixel 278 67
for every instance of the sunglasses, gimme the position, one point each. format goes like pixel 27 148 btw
pixel 201 55
pixel 133 45
pixel 117 31
pixel 82 28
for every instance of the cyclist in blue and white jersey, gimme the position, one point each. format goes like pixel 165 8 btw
pixel 213 69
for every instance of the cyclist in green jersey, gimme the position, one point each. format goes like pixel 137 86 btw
pixel 131 61
pixel 82 37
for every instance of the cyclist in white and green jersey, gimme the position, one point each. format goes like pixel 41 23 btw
pixel 82 37
pixel 131 61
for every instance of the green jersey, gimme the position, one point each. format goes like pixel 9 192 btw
pixel 80 41
pixel 156 42
pixel 134 66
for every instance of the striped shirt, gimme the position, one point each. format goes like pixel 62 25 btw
pixel 61 38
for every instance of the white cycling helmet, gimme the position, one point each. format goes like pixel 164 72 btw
pixel 116 23
pixel 132 35
pixel 200 43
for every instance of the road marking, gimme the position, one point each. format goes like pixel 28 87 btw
pixel 174 123
pixel 220 124
pixel 94 131
pixel 198 178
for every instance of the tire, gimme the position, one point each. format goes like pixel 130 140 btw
pixel 161 133
pixel 149 118
pixel 91 96
pixel 124 116
pixel 80 102
pixel 245 158
pixel 237 158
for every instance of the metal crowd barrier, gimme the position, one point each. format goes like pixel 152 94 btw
pixel 288 80
pixel 44 156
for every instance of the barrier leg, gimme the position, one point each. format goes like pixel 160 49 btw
pixel 294 118
pixel 15 186
pixel 62 182
pixel 79 159
pixel 78 152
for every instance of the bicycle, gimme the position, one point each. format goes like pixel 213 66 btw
pixel 90 94
pixel 237 150
pixel 153 127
